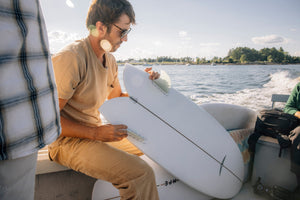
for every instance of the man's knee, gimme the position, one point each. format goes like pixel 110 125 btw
pixel 149 171
pixel 145 169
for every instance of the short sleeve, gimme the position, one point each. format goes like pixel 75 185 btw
pixel 292 105
pixel 67 73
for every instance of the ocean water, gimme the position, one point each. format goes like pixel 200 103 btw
pixel 246 85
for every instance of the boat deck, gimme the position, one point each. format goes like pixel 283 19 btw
pixel 54 181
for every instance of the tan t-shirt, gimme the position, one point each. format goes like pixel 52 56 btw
pixel 83 80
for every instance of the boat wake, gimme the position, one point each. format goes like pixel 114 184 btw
pixel 256 98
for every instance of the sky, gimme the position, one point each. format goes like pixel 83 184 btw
pixel 180 28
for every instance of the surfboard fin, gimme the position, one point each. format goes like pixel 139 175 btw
pixel 163 82
pixel 135 136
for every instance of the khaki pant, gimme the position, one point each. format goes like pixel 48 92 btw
pixel 115 162
pixel 17 178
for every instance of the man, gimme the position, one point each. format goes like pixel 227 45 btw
pixel 293 107
pixel 86 75
pixel 29 112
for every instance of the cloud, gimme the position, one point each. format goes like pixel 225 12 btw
pixel 208 51
pixel 297 53
pixel 157 43
pixel 58 39
pixel 141 53
pixel 61 36
pixel 269 39
pixel 70 3
pixel 182 33
pixel 210 44
pixel 184 37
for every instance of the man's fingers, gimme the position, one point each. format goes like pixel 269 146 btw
pixel 148 69
pixel 155 75
pixel 121 130
pixel 121 126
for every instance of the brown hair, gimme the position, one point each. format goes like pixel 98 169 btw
pixel 108 12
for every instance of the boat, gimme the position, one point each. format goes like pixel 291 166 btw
pixel 213 64
pixel 54 181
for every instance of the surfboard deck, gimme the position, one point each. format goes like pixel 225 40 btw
pixel 179 135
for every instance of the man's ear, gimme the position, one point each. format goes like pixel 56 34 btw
pixel 101 28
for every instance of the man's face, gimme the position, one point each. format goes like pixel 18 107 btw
pixel 118 32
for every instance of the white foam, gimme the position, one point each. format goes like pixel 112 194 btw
pixel 257 98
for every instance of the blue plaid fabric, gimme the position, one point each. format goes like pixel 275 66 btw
pixel 29 112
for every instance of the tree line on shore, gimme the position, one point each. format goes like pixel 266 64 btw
pixel 239 55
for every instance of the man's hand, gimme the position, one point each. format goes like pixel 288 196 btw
pixel 153 75
pixel 111 133
pixel 297 114
pixel 294 135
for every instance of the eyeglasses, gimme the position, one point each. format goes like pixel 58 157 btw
pixel 124 32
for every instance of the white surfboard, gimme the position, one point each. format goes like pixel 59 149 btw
pixel 179 135
pixel 230 116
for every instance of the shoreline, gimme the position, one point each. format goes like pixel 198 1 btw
pixel 213 65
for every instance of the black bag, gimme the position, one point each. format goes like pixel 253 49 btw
pixel 273 123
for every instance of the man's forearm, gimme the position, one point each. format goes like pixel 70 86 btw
pixel 73 129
